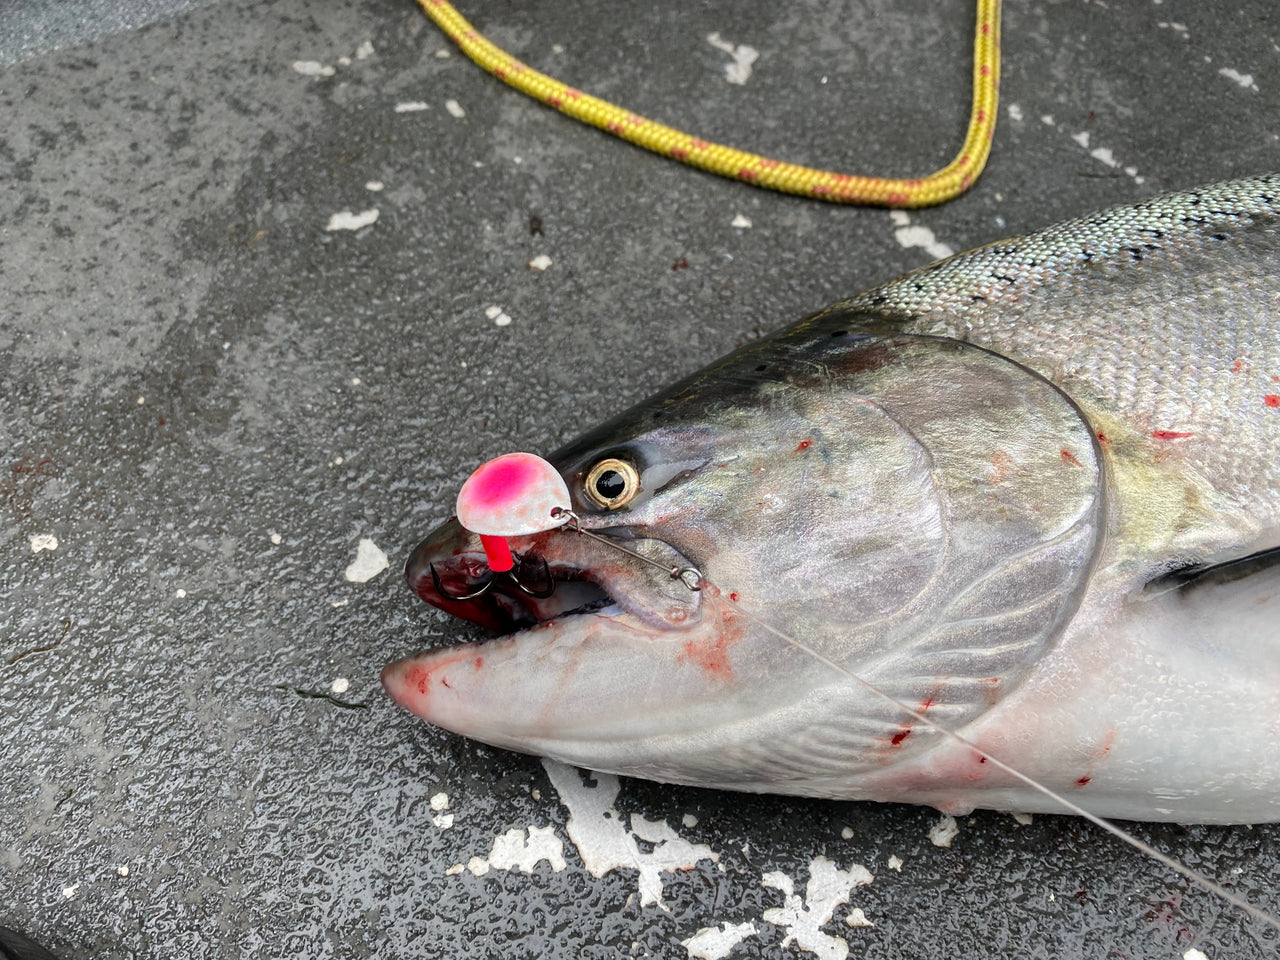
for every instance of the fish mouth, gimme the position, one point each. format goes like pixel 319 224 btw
pixel 560 667
pixel 557 575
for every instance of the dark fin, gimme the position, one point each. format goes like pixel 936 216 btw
pixel 14 946
pixel 1195 576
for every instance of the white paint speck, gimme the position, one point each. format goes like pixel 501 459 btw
pixel 1015 111
pixel 365 50
pixel 443 54
pixel 179 593
pixel 1081 138
pixel 275 538
pixel 604 842
pixel 346 220
pixel 739 71
pixel 313 68
pixel 443 820
pixel 374 186
pixel 369 562
pixel 70 892
pixel 1105 155
pixel 340 685
pixel 715 943
pixel 513 850
pixel 1244 79
pixel 1178 28
pixel 895 862
pixel 535 793
pixel 557 48
pixel 916 236
pixel 338 603
pixel 741 223
pixel 540 262
pixel 1194 954
pixel 1046 119
pixel 412 106
pixel 828 888
pixel 344 61
pixel 455 109
pixel 689 820
pixel 847 833
pixel 497 315
pixel 857 918
pixel 440 801
pixel 122 870
pixel 944 831
pixel 455 870
pixel 42 541
pixel 141 401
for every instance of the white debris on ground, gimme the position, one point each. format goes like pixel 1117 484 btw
pixel 739 71
pixel 605 843
pixel 513 850
pixel 346 220
pixel 715 943
pixel 540 262
pixel 1194 954
pixel 455 109
pixel 944 831
pixel 375 186
pixel 1014 111
pixel 1244 79
pixel 895 862
pixel 909 236
pixel 441 816
pixel 499 316
pixel 857 918
pixel 1101 154
pixel 411 106
pixel 313 68
pixel 340 685
pixel 42 541
pixel 741 223
pixel 828 888
pixel 369 562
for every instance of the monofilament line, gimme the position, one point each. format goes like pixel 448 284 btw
pixel 1193 875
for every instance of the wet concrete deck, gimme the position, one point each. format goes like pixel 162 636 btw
pixel 210 399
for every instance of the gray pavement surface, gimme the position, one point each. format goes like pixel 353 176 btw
pixel 210 399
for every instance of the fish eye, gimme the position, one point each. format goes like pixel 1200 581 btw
pixel 612 483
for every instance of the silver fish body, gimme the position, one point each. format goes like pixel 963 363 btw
pixel 1031 491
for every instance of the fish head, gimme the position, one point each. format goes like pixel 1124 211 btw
pixel 808 498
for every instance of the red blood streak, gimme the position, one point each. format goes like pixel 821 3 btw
pixel 1238 365
pixel 681 264
pixel 898 737
pixel 926 704
pixel 1082 781
pixel 1170 435
pixel 479 662
pixel 1069 457
pixel 733 597
pixel 1103 439
pixel 1272 400
pixel 804 445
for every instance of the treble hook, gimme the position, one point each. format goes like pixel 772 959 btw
pixel 540 593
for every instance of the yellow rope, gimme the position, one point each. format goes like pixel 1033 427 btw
pixel 949 182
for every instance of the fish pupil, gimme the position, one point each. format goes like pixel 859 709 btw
pixel 611 485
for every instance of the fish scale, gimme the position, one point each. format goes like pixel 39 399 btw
pixel 1160 360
